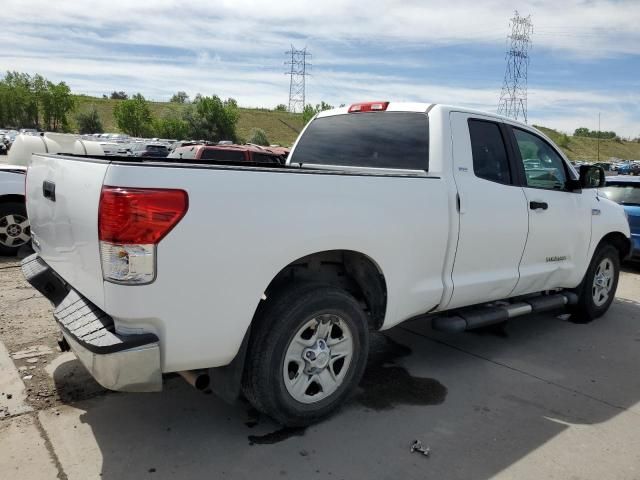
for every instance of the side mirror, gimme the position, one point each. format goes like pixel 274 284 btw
pixel 591 176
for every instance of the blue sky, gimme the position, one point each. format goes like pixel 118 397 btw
pixel 585 57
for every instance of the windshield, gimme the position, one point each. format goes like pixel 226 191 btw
pixel 375 140
pixel 625 194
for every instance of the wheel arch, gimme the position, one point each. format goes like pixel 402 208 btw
pixel 14 197
pixel 353 271
pixel 619 240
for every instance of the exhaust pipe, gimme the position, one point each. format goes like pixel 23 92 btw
pixel 199 379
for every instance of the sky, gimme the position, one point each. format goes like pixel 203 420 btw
pixel 584 60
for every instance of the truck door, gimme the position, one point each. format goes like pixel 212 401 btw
pixel 492 209
pixel 559 219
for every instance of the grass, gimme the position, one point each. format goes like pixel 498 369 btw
pixel 585 148
pixel 281 127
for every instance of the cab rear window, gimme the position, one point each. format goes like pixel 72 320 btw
pixel 374 140
pixel 224 155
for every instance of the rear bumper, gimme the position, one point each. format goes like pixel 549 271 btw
pixel 129 363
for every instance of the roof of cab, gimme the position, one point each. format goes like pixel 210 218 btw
pixel 420 107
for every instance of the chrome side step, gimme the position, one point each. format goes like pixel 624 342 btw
pixel 469 319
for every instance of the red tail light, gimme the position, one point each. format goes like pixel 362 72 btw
pixel 139 215
pixel 368 107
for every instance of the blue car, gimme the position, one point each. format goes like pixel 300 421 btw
pixel 626 192
pixel 629 168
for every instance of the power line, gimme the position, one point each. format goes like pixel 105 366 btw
pixel 513 98
pixel 298 72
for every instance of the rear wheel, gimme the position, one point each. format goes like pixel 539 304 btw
pixel 307 354
pixel 14 227
pixel 598 289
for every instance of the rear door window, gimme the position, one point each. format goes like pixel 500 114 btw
pixel 375 140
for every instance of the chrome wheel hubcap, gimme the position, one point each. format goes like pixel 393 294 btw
pixel 602 282
pixel 14 230
pixel 318 358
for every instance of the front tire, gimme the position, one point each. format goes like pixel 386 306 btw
pixel 598 289
pixel 307 354
pixel 14 227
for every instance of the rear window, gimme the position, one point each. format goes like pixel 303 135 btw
pixel 376 139
pixel 186 153
pixel 225 155
pixel 263 158
pixel 156 148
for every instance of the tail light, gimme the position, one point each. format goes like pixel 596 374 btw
pixel 368 107
pixel 131 222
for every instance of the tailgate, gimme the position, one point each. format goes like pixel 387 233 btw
pixel 63 194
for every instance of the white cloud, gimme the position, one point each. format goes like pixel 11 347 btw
pixel 236 48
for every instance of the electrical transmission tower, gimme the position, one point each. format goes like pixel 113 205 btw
pixel 298 72
pixel 513 98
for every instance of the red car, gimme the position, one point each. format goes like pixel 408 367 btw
pixel 232 153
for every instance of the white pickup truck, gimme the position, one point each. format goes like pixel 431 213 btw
pixel 269 278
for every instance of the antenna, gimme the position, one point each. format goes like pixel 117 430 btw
pixel 513 98
pixel 298 72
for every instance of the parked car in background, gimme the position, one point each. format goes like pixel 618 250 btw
pixel 14 225
pixel 626 192
pixel 232 153
pixel 606 166
pixel 629 168
pixel 157 150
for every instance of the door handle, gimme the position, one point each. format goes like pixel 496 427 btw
pixel 538 205
pixel 49 190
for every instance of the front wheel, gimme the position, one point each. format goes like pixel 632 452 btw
pixel 307 354
pixel 598 289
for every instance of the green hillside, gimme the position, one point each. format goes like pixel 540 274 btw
pixel 585 148
pixel 281 127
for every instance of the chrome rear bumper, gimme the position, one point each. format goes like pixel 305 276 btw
pixel 129 363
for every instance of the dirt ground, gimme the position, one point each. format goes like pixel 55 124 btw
pixel 30 334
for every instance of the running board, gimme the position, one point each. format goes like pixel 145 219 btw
pixel 470 319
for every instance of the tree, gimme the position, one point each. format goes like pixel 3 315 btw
pixel 34 102
pixel 89 122
pixel 258 137
pixel 180 97
pixel 281 108
pixel 585 132
pixel 171 127
pixel 310 111
pixel 133 116
pixel 119 95
pixel 19 105
pixel 209 118
pixel 57 102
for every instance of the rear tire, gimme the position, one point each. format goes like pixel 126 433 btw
pixel 307 354
pixel 14 228
pixel 598 288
